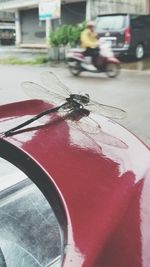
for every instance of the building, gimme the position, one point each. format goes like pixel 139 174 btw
pixel 33 32
pixel 118 6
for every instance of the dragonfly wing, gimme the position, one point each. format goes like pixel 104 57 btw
pixel 52 82
pixel 106 110
pixel 88 125
pixel 108 139
pixel 93 131
pixel 35 90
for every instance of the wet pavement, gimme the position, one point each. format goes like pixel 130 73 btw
pixel 22 53
pixel 32 53
pixel 132 64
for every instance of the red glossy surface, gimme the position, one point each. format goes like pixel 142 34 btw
pixel 100 180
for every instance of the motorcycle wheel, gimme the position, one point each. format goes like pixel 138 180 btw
pixel 75 69
pixel 112 70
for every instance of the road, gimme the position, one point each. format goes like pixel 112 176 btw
pixel 130 91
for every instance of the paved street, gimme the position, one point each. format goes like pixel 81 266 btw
pixel 130 91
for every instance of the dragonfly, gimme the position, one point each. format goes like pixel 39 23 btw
pixel 66 102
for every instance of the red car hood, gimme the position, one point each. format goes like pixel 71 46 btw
pixel 96 179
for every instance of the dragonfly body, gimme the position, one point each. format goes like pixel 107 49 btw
pixel 73 103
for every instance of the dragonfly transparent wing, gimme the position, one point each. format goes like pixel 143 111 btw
pixel 37 91
pixel 88 125
pixel 101 137
pixel 53 83
pixel 110 140
pixel 106 110
pixel 92 129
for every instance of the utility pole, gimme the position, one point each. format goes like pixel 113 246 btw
pixel 88 10
pixel 48 25
pixel 18 28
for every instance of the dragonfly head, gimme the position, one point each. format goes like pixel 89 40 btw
pixel 77 102
pixel 85 98
pixel 82 99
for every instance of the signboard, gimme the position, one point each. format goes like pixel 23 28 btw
pixel 49 9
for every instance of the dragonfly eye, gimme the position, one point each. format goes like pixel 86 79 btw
pixel 87 95
pixel 85 99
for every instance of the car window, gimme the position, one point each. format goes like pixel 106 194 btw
pixel 29 231
pixel 137 22
pixel 146 20
pixel 110 23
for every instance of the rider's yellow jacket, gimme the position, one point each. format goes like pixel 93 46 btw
pixel 88 39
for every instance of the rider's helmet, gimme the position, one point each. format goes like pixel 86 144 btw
pixel 90 24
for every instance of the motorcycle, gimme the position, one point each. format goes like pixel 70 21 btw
pixel 106 61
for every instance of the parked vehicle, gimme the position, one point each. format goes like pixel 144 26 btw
pixel 7 34
pixel 129 34
pixel 106 62
pixel 96 178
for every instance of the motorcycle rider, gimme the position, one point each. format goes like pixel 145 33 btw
pixel 88 39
